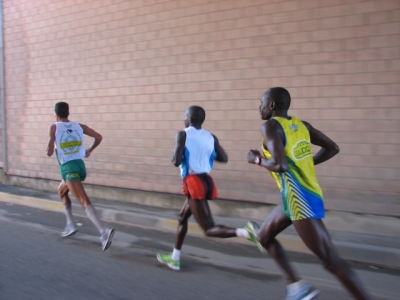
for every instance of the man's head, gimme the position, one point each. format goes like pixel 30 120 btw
pixel 276 99
pixel 194 116
pixel 61 109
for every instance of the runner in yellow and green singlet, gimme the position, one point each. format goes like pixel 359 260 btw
pixel 301 193
pixel 287 154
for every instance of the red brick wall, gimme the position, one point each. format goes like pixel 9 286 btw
pixel 129 69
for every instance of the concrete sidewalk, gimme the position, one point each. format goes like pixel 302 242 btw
pixel 368 239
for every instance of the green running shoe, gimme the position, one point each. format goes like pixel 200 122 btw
pixel 167 260
pixel 253 228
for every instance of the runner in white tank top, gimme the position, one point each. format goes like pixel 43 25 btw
pixel 195 151
pixel 199 154
pixel 70 142
pixel 68 138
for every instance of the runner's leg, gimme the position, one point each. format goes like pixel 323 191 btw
pixel 183 217
pixel 63 193
pixel 106 233
pixel 77 189
pixel 172 260
pixel 201 212
pixel 314 234
pixel 70 227
pixel 275 223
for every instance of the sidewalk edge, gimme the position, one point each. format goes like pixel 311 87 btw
pixel 375 255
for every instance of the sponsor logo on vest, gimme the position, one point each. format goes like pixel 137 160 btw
pixel 70 144
pixel 302 149
pixel 294 127
pixel 72 152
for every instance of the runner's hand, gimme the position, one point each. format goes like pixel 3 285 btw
pixel 252 156
pixel 88 151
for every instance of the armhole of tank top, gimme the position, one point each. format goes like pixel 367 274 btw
pixel 284 134
pixel 305 128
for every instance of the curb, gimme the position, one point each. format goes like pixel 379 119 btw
pixel 370 254
pixel 32 202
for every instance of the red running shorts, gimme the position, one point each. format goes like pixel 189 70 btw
pixel 199 187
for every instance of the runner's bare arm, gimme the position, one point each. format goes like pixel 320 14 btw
pixel 52 137
pixel 221 154
pixel 328 147
pixel 94 134
pixel 177 154
pixel 273 141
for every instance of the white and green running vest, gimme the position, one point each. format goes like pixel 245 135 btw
pixel 70 143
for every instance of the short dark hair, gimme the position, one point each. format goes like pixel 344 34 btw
pixel 197 115
pixel 62 109
pixel 280 96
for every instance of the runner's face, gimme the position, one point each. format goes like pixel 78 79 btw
pixel 56 116
pixel 265 107
pixel 187 119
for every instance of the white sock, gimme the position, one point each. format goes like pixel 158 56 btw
pixel 68 215
pixel 241 232
pixel 176 254
pixel 91 213
pixel 295 286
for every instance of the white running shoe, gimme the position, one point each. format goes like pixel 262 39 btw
pixel 106 238
pixel 70 229
pixel 305 292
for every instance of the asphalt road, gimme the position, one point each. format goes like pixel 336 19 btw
pixel 36 263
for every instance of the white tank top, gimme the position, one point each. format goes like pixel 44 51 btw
pixel 199 154
pixel 70 143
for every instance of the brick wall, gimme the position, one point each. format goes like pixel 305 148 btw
pixel 129 69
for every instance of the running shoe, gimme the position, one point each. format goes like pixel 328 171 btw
pixel 106 238
pixel 166 259
pixel 253 228
pixel 305 292
pixel 69 230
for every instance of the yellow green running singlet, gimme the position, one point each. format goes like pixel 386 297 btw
pixel 301 194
